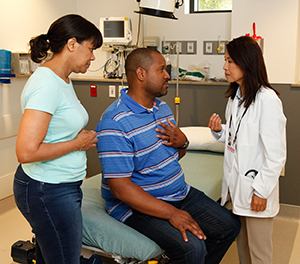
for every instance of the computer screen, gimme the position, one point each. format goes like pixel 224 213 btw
pixel 113 29
pixel 116 30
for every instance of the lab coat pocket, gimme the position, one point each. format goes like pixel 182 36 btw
pixel 244 192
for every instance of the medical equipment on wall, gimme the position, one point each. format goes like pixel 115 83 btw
pixel 166 55
pixel 159 8
pixel 16 64
pixel 116 30
pixel 177 98
pixel 117 37
pixel 22 65
pixel 221 46
pixel 258 39
pixel 111 67
pixel 114 67
pixel 5 66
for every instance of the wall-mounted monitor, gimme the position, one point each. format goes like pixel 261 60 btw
pixel 116 30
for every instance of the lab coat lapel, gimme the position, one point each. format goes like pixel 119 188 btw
pixel 241 112
pixel 237 116
pixel 234 113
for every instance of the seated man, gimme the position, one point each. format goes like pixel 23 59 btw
pixel 143 184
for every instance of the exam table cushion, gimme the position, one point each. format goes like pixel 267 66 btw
pixel 201 139
pixel 102 231
pixel 203 170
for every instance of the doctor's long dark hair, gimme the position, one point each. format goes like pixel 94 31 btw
pixel 247 54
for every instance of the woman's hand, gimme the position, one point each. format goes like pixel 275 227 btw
pixel 87 139
pixel 258 204
pixel 215 123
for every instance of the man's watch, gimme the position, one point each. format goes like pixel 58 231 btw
pixel 186 144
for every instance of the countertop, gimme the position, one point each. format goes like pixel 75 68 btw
pixel 189 82
pixel 296 84
pixel 98 79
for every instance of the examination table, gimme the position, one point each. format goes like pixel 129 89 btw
pixel 202 166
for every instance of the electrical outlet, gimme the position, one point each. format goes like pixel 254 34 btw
pixel 179 47
pixel 209 47
pixel 112 90
pixel 186 47
pixel 214 47
pixel 190 47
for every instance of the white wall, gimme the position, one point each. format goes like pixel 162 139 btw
pixel 10 115
pixel 20 20
pixel 278 23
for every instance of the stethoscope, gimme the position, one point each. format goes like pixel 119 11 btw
pixel 237 130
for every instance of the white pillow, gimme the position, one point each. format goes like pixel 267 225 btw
pixel 201 139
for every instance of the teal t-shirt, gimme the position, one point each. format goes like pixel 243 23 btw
pixel 47 92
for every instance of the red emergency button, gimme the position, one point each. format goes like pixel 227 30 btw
pixel 93 90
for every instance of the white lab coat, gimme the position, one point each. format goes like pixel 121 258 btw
pixel 260 146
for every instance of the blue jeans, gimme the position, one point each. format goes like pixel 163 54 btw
pixel 218 224
pixel 54 213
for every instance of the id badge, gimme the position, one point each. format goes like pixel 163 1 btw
pixel 231 146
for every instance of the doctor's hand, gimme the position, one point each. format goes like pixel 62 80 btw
pixel 215 122
pixel 258 204
pixel 183 221
pixel 172 135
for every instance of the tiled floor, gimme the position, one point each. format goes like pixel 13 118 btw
pixel 286 243
pixel 286 237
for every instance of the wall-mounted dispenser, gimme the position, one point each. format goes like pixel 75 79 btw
pixel 5 66
pixel 20 64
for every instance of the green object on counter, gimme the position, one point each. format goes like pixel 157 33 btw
pixel 183 73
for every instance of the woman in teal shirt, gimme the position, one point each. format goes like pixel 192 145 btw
pixel 52 142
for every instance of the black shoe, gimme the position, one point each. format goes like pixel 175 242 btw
pixel 94 259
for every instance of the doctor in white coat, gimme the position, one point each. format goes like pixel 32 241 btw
pixel 255 148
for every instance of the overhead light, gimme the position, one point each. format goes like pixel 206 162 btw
pixel 159 8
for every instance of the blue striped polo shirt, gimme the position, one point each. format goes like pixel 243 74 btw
pixel 128 147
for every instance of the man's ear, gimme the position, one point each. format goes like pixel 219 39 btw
pixel 141 73
pixel 71 44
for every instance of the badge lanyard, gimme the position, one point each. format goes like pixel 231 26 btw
pixel 231 145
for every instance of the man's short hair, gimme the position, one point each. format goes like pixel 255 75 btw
pixel 140 57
